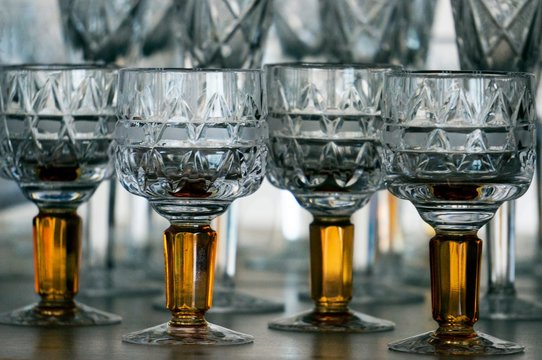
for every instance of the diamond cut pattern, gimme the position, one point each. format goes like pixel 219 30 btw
pixel 56 117
pixel 201 140
pixel 471 128
pixel 223 33
pixel 324 141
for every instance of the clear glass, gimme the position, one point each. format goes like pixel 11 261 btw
pixel 190 141
pixel 100 30
pixel 457 145
pixel 223 33
pixel 324 124
pixel 501 36
pixel 390 31
pixel 57 125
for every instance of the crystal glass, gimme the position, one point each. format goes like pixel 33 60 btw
pixel 504 35
pixel 390 31
pixel 100 30
pixel 223 33
pixel 457 145
pixel 57 124
pixel 324 124
pixel 190 141
pixel 298 28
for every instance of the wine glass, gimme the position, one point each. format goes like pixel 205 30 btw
pixel 457 145
pixel 190 141
pixel 324 124
pixel 501 36
pixel 57 125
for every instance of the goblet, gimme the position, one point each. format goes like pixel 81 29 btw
pixel 223 33
pixel 457 145
pixel 190 141
pixel 324 123
pixel 57 125
pixel 501 36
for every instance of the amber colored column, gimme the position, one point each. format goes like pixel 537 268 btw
pixel 455 282
pixel 331 242
pixel 189 263
pixel 57 254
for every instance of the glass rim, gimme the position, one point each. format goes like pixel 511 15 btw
pixel 180 70
pixel 302 65
pixel 459 74
pixel 56 67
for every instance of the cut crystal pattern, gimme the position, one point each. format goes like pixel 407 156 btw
pixel 324 142
pixel 57 118
pixel 207 148
pixel 223 33
pixel 466 130
pixel 498 35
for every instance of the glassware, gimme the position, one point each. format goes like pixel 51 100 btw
pixel 504 35
pixel 57 124
pixel 223 33
pixel 298 28
pixel 457 145
pixel 390 31
pixel 324 123
pixel 100 30
pixel 190 141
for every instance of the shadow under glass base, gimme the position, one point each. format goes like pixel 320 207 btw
pixel 481 345
pixel 509 307
pixel 230 301
pixel 205 335
pixel 82 315
pixel 349 322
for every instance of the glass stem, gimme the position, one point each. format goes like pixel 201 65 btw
pixel 57 254
pixel 331 247
pixel 455 282
pixel 189 253
pixel 501 247
pixel 228 238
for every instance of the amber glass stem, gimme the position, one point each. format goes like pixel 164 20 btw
pixel 189 253
pixel 57 254
pixel 455 282
pixel 331 242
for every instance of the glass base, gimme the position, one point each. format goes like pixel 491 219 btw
pixel 82 316
pixel 481 344
pixel 349 322
pixel 509 307
pixel 230 301
pixel 205 335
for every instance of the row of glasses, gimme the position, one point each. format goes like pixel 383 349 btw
pixel 456 144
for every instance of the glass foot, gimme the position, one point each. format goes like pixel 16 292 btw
pixel 81 316
pixel 509 307
pixel 230 301
pixel 349 322
pixel 205 335
pixel 481 344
